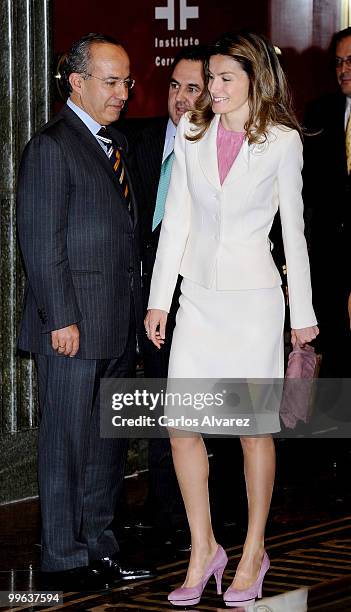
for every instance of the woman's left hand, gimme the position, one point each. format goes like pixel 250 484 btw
pixel 304 335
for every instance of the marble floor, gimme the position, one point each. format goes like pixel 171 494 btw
pixel 308 541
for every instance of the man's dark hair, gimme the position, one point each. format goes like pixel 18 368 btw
pixel 194 53
pixel 78 57
pixel 337 37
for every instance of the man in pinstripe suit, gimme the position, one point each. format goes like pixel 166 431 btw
pixel 77 230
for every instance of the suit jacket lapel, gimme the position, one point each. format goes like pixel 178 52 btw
pixel 147 157
pixel 89 141
pixel 208 158
pixel 158 142
pixel 240 167
pixel 207 153
pixel 132 194
pixel 152 150
pixel 122 142
pixel 339 131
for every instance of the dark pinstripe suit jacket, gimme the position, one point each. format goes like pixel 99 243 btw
pixel 147 150
pixel 79 243
pixel 327 195
pixel 147 147
pixel 146 144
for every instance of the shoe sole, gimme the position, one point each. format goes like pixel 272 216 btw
pixel 238 604
pixel 185 602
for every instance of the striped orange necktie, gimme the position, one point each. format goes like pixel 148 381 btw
pixel 348 144
pixel 115 157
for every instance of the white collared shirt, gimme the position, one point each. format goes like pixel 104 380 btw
pixel 169 139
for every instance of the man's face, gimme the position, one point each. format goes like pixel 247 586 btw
pixel 187 83
pixel 343 72
pixel 101 95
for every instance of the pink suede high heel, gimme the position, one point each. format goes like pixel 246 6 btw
pixel 190 596
pixel 248 596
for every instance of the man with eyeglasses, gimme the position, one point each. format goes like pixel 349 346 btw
pixel 77 225
pixel 327 192
pixel 327 196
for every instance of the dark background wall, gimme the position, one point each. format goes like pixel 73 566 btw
pixel 301 28
pixel 134 24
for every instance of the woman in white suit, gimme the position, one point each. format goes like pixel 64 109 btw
pixel 238 157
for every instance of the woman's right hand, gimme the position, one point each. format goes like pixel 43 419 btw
pixel 303 336
pixel 155 326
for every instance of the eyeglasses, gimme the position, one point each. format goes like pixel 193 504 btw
pixel 339 61
pixel 111 82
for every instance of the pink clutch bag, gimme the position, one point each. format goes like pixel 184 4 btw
pixel 296 402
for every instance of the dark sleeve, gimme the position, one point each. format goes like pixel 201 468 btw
pixel 42 216
pixel 312 150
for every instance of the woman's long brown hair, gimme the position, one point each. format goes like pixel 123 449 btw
pixel 269 96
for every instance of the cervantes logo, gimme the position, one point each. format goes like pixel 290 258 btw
pixel 168 13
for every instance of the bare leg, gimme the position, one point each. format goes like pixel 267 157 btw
pixel 191 466
pixel 259 467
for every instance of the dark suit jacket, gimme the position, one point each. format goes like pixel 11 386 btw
pixel 327 201
pixel 78 241
pixel 147 140
pixel 146 146
pixel 327 204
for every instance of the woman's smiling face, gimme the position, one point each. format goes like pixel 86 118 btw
pixel 229 86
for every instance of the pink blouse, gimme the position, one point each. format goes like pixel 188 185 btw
pixel 228 146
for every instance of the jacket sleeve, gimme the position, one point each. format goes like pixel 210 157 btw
pixel 174 230
pixel 291 213
pixel 42 219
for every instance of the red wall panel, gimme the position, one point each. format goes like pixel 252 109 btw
pixel 301 28
pixel 134 23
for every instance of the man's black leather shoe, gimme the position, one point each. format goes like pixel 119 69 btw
pixel 114 570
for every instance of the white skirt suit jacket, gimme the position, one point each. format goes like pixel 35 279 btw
pixel 216 236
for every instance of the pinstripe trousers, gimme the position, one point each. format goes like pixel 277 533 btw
pixel 80 474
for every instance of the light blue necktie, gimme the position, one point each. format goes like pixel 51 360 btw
pixel 162 190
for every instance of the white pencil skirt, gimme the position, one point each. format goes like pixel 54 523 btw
pixel 231 335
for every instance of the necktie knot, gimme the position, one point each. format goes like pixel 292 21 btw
pixel 104 135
